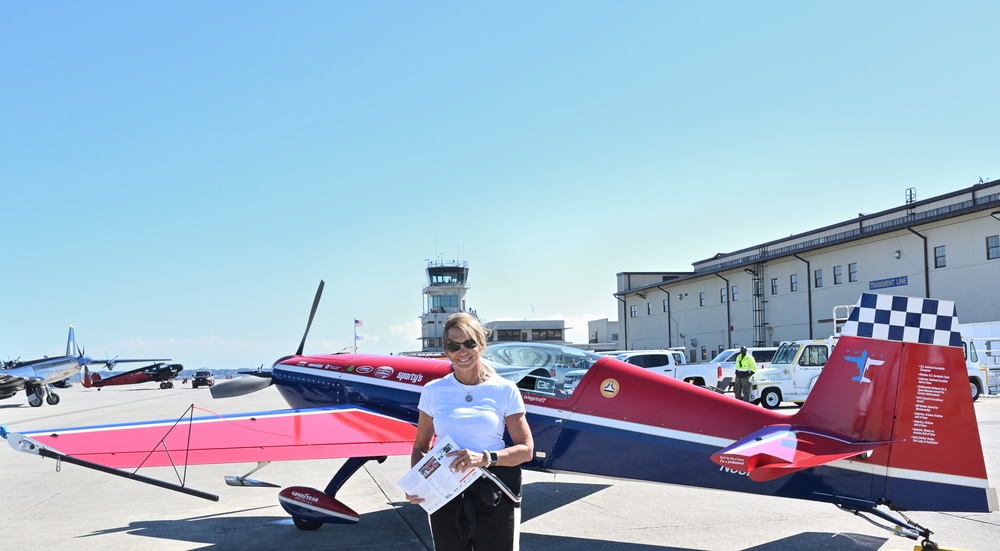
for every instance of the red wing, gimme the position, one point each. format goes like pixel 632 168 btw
pixel 319 433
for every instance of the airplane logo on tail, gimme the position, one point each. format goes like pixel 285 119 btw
pixel 863 362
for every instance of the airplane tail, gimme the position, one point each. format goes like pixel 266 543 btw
pixel 896 387
pixel 71 349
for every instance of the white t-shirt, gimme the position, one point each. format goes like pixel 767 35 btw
pixel 477 424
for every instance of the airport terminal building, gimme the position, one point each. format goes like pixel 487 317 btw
pixel 945 247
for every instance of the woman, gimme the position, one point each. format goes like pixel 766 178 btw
pixel 473 405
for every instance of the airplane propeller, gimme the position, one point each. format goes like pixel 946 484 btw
pixel 262 380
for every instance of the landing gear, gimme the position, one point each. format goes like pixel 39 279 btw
pixel 901 525
pixel 52 399
pixel 166 384
pixel 307 525
pixel 36 395
pixel 311 508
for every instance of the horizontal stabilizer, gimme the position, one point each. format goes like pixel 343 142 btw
pixel 777 450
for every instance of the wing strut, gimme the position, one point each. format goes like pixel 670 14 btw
pixel 46 452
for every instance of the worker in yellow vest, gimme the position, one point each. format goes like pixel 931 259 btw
pixel 745 368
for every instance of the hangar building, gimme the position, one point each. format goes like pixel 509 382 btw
pixel 945 247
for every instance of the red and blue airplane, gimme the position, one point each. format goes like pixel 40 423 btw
pixel 160 371
pixel 889 427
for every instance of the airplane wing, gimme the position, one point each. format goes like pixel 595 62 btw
pixel 777 450
pixel 279 435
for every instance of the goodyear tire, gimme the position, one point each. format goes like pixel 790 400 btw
pixel 770 398
pixel 303 524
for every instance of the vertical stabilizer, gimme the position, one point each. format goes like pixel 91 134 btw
pixel 71 343
pixel 898 375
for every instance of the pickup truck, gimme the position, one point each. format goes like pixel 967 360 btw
pixel 665 362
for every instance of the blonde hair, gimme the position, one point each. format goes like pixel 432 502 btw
pixel 468 324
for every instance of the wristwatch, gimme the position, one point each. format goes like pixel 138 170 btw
pixel 491 458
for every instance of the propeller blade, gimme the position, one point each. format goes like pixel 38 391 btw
pixel 319 293
pixel 239 386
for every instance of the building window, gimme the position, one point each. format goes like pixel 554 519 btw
pixel 701 298
pixel 993 247
pixel 793 283
pixel 614 337
pixel 664 305
pixel 838 275
pixel 722 295
pixel 736 293
pixel 939 257
pixel 818 279
pixel 852 272
pixel 546 334
pixel 633 311
pixel 649 308
pixel 508 335
pixel 774 285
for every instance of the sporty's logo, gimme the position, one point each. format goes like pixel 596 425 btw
pixel 863 362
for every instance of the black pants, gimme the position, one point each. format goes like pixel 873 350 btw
pixel 482 518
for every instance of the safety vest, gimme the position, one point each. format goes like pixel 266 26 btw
pixel 745 362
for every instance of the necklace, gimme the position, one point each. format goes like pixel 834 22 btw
pixel 480 379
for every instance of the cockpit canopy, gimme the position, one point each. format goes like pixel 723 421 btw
pixel 548 369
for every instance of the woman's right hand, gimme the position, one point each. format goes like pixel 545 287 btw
pixel 414 500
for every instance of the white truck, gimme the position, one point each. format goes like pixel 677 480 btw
pixel 793 372
pixel 665 362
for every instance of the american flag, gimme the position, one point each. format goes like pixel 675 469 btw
pixel 358 323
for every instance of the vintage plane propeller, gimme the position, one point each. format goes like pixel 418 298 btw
pixel 246 385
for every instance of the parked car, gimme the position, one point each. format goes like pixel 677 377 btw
pixel 726 360
pixel 202 377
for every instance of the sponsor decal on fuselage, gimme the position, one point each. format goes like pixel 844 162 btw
pixel 364 369
pixel 384 372
pixel 409 377
pixel 610 388
pixel 534 398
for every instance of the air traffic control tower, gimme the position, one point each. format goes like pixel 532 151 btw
pixel 447 283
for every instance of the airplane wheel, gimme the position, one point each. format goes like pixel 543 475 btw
pixel 35 402
pixel 303 524
pixel 928 545
pixel 770 398
pixel 52 398
pixel 163 386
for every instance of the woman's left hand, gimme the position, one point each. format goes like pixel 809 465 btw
pixel 466 459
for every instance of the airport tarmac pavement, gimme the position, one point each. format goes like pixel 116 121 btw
pixel 78 508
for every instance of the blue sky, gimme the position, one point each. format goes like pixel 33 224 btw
pixel 177 177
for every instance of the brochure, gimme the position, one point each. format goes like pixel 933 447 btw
pixel 432 480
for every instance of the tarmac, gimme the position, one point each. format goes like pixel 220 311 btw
pixel 42 507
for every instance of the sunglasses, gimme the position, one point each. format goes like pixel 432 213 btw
pixel 471 344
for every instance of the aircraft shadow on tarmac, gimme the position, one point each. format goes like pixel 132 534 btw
pixel 383 529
